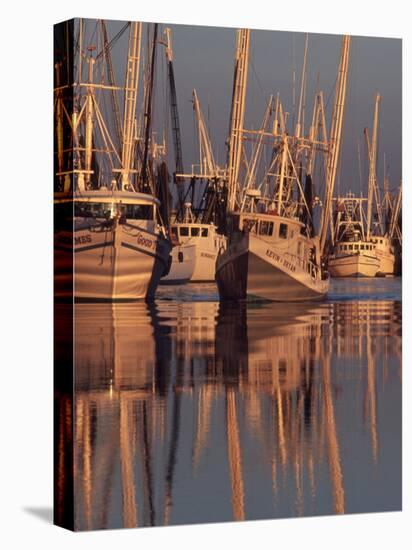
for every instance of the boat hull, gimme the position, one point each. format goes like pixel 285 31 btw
pixel 254 269
pixel 206 256
pixel 183 265
pixel 353 265
pixel 386 262
pixel 110 262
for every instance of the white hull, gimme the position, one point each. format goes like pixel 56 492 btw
pixel 386 256
pixel 206 256
pixel 183 265
pixel 257 269
pixel 110 261
pixel 353 265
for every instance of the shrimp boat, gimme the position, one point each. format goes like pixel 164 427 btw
pixel 196 238
pixel 271 257
pixel 362 246
pixel 352 255
pixel 196 250
pixel 207 243
pixel 119 250
pixel 110 240
pixel 355 254
pixel 273 250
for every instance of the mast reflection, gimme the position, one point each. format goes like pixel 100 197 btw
pixel 158 389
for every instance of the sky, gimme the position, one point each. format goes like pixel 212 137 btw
pixel 204 59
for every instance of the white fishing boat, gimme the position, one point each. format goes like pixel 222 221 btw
pixel 361 245
pixel 352 255
pixel 197 240
pixel 376 233
pixel 273 251
pixel 119 251
pixel 269 258
pixel 354 260
pixel 204 244
pixel 196 247
pixel 390 249
pixel 110 240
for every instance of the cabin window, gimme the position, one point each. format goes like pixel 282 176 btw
pixel 174 231
pixel 381 241
pixel 92 210
pixel 283 231
pixel 106 210
pixel 350 247
pixel 362 247
pixel 184 231
pixel 180 257
pixel 194 231
pixel 265 228
pixel 139 211
pixel 204 232
pixel 345 247
pixel 299 248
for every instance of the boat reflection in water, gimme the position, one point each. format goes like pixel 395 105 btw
pixel 200 412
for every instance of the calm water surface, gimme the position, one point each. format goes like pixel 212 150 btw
pixel 187 410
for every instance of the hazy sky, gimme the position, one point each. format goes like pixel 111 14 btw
pixel 204 59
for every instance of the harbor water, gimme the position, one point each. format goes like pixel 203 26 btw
pixel 188 410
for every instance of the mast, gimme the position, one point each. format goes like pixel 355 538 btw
pixel 393 226
pixel 89 124
pixel 282 173
pixel 174 113
pixel 372 168
pixel 335 137
pixel 59 122
pixel 112 82
pixel 299 124
pixel 237 113
pixel 130 98
pixel 258 149
pixel 208 165
pixel 148 112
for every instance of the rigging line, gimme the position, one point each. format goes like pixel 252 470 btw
pixel 113 41
pixel 332 91
pixel 256 76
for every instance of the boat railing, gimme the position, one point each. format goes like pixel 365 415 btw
pixel 306 265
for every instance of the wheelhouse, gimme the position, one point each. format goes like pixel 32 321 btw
pixel 104 204
pixel 268 226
